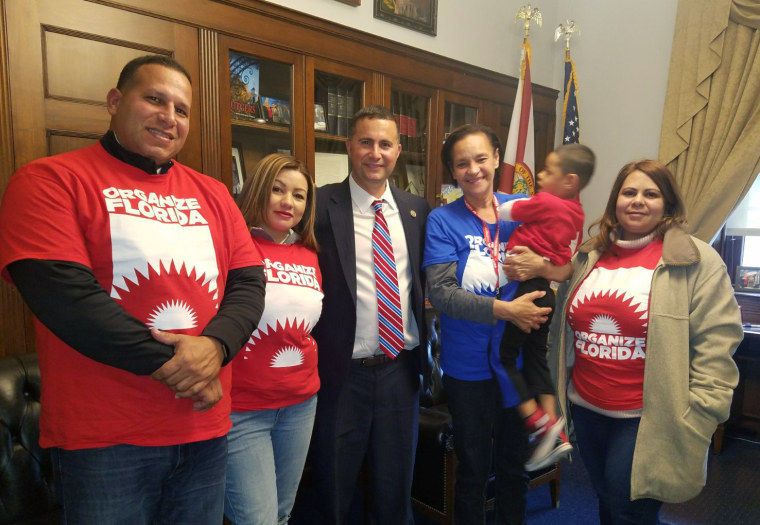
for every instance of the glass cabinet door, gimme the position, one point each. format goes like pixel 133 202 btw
pixel 261 109
pixel 412 111
pixel 339 92
pixel 455 110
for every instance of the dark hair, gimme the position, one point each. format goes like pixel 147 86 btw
pixel 673 215
pixel 462 132
pixel 257 190
pixel 372 112
pixel 578 159
pixel 129 71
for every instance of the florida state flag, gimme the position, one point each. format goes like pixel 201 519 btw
pixel 517 172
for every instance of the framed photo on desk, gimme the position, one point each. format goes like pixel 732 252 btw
pixel 747 279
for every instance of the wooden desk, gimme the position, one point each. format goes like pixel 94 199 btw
pixel 744 420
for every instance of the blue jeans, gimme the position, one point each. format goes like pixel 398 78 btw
pixel 486 434
pixel 606 447
pixel 267 452
pixel 131 485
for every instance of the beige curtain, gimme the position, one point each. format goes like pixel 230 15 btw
pixel 710 135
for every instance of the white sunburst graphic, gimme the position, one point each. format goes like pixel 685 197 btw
pixel 285 357
pixel 172 315
pixel 604 324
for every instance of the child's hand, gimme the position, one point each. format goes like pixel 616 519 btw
pixel 523 264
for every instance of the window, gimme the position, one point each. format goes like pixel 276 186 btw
pixel 744 223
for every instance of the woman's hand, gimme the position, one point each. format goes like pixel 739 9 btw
pixel 521 311
pixel 523 264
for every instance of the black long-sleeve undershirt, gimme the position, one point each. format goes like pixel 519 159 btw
pixel 68 299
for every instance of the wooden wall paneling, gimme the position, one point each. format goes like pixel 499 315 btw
pixel 301 113
pixel 68 54
pixel 278 26
pixel 6 146
pixel 12 321
pixel 381 91
pixel 309 100
pixel 209 105
pixel 64 56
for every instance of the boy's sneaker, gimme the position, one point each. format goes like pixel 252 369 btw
pixel 547 445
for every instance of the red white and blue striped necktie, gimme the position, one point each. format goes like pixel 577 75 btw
pixel 386 279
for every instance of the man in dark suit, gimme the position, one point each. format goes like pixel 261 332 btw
pixel 368 403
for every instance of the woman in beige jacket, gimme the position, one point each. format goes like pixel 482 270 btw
pixel 642 343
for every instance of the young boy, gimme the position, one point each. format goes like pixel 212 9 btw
pixel 551 222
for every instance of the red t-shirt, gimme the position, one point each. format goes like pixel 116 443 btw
pixel 162 246
pixel 608 314
pixel 278 365
pixel 550 225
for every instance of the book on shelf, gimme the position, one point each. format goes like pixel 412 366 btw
pixel 320 123
pixel 412 133
pixel 403 121
pixel 350 108
pixel 245 99
pixel 396 112
pixel 342 128
pixel 332 109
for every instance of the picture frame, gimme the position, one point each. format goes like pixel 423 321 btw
pixel 747 279
pixel 277 111
pixel 419 15
pixel 351 2
pixel 238 169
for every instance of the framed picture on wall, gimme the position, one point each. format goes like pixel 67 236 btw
pixel 238 171
pixel 420 15
pixel 747 279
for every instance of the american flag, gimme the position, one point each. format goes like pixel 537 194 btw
pixel 570 119
pixel 571 122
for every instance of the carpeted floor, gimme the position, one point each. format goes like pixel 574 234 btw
pixel 732 493
pixel 731 497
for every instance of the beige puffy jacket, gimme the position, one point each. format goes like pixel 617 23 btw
pixel 689 374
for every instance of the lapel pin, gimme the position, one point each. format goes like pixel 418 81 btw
pixel 413 213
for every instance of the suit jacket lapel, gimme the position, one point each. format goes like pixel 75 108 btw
pixel 341 216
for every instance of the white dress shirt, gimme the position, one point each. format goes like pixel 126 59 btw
pixel 366 342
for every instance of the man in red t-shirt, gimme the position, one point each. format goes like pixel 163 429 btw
pixel 144 283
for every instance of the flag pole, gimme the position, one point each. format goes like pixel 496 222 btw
pixel 526 13
pixel 570 117
pixel 517 170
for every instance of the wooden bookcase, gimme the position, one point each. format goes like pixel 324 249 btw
pixel 58 59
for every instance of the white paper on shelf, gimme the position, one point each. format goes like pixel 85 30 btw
pixel 330 167
pixel 416 177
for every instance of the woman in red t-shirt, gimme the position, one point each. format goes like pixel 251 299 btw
pixel 646 329
pixel 274 376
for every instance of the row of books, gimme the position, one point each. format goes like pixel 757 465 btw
pixel 341 106
pixel 412 138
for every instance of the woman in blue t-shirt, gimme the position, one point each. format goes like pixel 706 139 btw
pixel 465 248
